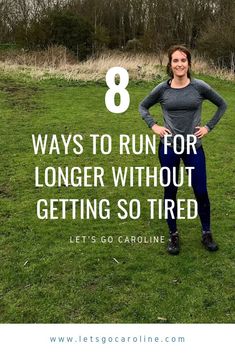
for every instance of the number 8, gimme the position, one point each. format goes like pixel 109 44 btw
pixel 117 89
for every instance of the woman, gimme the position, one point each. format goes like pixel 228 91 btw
pixel 181 99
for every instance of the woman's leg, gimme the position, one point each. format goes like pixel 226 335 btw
pixel 199 185
pixel 170 160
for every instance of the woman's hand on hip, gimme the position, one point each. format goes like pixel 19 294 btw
pixel 160 130
pixel 201 131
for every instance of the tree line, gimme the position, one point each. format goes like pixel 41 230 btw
pixel 90 26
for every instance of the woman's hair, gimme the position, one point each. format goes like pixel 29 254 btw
pixel 171 50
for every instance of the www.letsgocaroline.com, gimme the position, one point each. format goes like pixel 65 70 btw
pixel 116 339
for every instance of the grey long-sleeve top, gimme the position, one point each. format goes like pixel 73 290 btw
pixel 181 107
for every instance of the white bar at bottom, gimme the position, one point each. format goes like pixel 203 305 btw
pixel 116 338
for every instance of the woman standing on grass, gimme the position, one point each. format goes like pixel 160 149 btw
pixel 181 99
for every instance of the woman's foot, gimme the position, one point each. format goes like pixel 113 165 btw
pixel 208 241
pixel 173 246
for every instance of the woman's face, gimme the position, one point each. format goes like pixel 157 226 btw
pixel 179 64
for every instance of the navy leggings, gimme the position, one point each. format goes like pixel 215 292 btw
pixel 170 160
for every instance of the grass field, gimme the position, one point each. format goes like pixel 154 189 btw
pixel 47 279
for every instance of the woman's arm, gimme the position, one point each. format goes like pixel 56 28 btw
pixel 153 98
pixel 210 94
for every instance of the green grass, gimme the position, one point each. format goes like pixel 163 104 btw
pixel 46 279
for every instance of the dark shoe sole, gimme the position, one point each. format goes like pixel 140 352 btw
pixel 173 252
pixel 210 249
